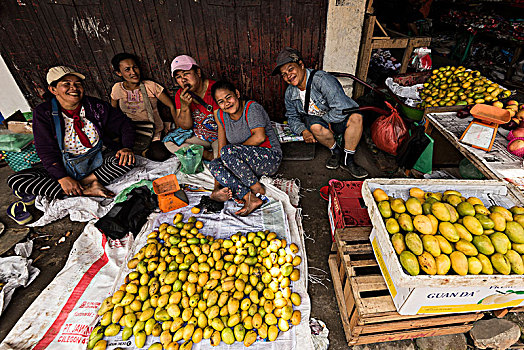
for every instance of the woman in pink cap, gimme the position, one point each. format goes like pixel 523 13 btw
pixel 194 106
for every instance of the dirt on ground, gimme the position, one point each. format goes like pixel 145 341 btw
pixel 312 176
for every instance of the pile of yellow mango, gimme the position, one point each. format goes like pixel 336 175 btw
pixel 450 86
pixel 186 287
pixel 440 233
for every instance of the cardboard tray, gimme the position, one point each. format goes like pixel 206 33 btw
pixel 490 192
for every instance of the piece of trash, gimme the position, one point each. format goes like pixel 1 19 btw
pixel 319 334
pixel 61 240
pixel 68 233
pixel 45 247
pixel 24 249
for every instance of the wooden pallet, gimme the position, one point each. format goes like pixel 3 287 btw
pixel 366 307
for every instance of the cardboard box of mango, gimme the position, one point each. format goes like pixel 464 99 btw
pixel 186 287
pixel 446 246
pixel 458 86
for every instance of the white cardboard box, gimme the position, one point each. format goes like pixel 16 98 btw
pixel 441 294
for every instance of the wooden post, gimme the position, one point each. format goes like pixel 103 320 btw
pixel 365 54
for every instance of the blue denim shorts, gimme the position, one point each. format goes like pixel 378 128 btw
pixel 337 128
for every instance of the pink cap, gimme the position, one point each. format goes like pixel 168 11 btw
pixel 182 62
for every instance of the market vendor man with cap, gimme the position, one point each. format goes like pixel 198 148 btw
pixel 324 118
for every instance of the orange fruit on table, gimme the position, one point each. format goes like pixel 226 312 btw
pixel 195 210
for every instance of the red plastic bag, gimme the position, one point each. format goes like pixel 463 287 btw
pixel 389 131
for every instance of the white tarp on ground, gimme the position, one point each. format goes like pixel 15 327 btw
pixel 65 312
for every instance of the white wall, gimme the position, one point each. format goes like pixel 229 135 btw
pixel 11 98
pixel 344 29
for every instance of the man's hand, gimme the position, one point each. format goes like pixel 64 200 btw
pixel 185 98
pixel 70 186
pixel 125 157
pixel 308 137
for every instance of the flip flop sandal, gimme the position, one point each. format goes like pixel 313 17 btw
pixel 18 212
pixel 28 199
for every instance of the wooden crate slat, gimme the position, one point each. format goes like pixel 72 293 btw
pixel 418 322
pixel 358 233
pixel 372 319
pixel 359 249
pixel 337 284
pixel 409 334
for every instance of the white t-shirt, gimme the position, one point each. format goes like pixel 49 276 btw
pixel 313 109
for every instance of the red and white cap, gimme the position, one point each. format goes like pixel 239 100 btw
pixel 182 62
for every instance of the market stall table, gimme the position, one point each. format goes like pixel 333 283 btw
pixel 499 163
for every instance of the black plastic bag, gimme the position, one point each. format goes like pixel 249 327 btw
pixel 128 216
pixel 411 150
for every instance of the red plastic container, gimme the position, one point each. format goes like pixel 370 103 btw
pixel 170 196
pixel 347 206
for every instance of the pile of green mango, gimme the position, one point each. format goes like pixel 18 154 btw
pixel 185 287
pixel 440 233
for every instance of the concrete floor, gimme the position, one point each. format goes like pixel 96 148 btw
pixel 312 175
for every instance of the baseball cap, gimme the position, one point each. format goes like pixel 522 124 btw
pixel 58 72
pixel 182 62
pixel 287 55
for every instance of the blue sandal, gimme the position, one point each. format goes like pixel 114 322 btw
pixel 27 199
pixel 18 212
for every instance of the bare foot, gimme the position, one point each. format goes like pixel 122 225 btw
pixel 258 188
pixel 96 189
pixel 222 194
pixel 251 203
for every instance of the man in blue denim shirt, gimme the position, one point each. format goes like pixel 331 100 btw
pixel 324 118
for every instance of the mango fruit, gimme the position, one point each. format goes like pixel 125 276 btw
pixel 413 206
pixel 487 268
pixel 500 242
pixel 228 336
pixel 434 223
pixel 272 333
pixel 498 220
pixel 250 338
pixel 453 214
pixel 466 247
pixel 427 263
pixel 379 195
pixel 392 226
pixel 414 243
pixel 459 263
pixel 448 231
pixel 483 245
pixel 473 225
pixel 398 206
pixel 465 209
pixel 518 247
pixel 508 215
pixel 474 265
pixel 453 199
pixel 463 232
pixel 485 221
pixel 501 263
pixel 431 245
pixel 515 232
pixel 398 243
pixel 481 209
pixel 423 224
pixel 405 222
pixel 409 262
pixel 443 264
pixel 516 210
pixel 517 265
pixel 385 209
pixel 444 244
pixel 440 211
pixel 474 201
pixel 417 193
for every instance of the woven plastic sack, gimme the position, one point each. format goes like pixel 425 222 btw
pixel 191 159
pixel 388 132
pixel 22 160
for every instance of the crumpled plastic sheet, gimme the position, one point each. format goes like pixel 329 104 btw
pixel 24 249
pixel 15 271
pixel 409 93
pixel 319 334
